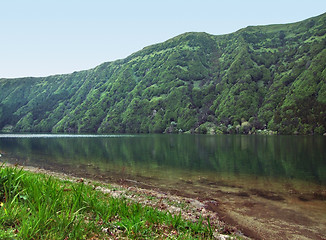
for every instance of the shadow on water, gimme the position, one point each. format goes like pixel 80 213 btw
pixel 252 176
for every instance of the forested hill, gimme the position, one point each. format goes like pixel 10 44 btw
pixel 259 77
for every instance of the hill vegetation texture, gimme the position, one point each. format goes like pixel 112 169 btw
pixel 258 79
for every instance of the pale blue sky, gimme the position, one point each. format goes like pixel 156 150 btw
pixel 46 37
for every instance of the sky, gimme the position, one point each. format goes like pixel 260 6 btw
pixel 47 37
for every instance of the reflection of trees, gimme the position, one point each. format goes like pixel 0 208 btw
pixel 274 156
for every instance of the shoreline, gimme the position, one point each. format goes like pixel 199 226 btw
pixel 250 213
pixel 190 208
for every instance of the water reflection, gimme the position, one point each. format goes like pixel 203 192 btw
pixel 265 156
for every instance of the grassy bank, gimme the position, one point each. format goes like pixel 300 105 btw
pixel 38 206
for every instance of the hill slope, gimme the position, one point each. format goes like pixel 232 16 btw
pixel 260 77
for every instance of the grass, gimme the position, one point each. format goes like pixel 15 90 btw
pixel 37 206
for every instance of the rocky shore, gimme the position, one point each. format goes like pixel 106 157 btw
pixel 190 208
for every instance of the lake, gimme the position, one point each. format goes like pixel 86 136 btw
pixel 266 185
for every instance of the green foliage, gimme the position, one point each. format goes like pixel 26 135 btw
pixel 35 206
pixel 263 72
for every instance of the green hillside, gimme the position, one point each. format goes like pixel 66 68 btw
pixel 263 77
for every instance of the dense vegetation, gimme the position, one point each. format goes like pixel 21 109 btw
pixel 36 206
pixel 264 77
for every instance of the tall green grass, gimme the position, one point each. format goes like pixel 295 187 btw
pixel 36 206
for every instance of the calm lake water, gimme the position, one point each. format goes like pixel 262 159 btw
pixel 234 156
pixel 289 169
